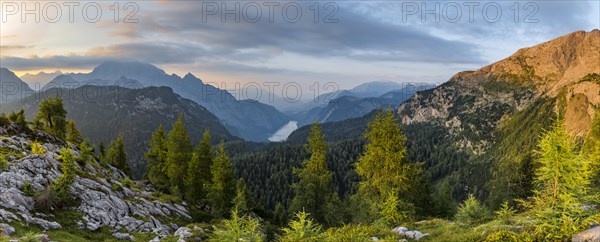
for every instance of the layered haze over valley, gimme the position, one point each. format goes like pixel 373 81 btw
pixel 300 121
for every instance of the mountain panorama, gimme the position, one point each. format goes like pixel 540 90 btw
pixel 507 152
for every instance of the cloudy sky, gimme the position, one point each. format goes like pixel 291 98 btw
pixel 344 42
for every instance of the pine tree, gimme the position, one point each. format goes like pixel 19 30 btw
pixel 314 191
pixel 157 160
pixel 117 157
pixel 198 175
pixel 385 172
pixel 52 117
pixel 562 179
pixel 243 202
pixel 222 189
pixel 179 153
pixel 73 135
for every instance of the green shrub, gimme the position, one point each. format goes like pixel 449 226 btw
pixel 502 235
pixel 352 233
pixel 127 182
pixel 37 149
pixel 27 189
pixel 302 229
pixel 115 187
pixel 443 230
pixel 168 198
pixel 239 228
pixel 471 212
pixel 46 200
pixel 30 237
pixel 4 120
pixel 3 162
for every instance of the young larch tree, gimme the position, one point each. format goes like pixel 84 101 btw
pixel 221 191
pixel 179 153
pixel 157 160
pixel 198 174
pixel 314 191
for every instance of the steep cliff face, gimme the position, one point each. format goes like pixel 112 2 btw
pixel 102 196
pixel 472 104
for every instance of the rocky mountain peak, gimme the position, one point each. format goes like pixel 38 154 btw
pixel 8 76
pixel 126 67
pixel 190 77
pixel 12 86
pixel 564 68
pixel 550 65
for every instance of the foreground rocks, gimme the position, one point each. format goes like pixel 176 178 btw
pixel 405 232
pixel 103 195
pixel 6 230
pixel 590 235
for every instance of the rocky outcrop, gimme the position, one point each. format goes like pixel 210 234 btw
pixel 103 198
pixel 469 112
pixel 123 236
pixel 590 235
pixel 183 233
pixel 472 104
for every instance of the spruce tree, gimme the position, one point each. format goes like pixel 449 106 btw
pixel 179 153
pixel 157 160
pixel 73 135
pixel 385 173
pixel 562 179
pixel 101 151
pixel 198 174
pixel 280 215
pixel 221 191
pixel 314 190
pixel 52 117
pixel 117 157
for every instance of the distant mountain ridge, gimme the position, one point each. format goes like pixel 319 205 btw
pixel 378 88
pixel 248 119
pixel 39 80
pixel 12 87
pixel 347 106
pixel 102 113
